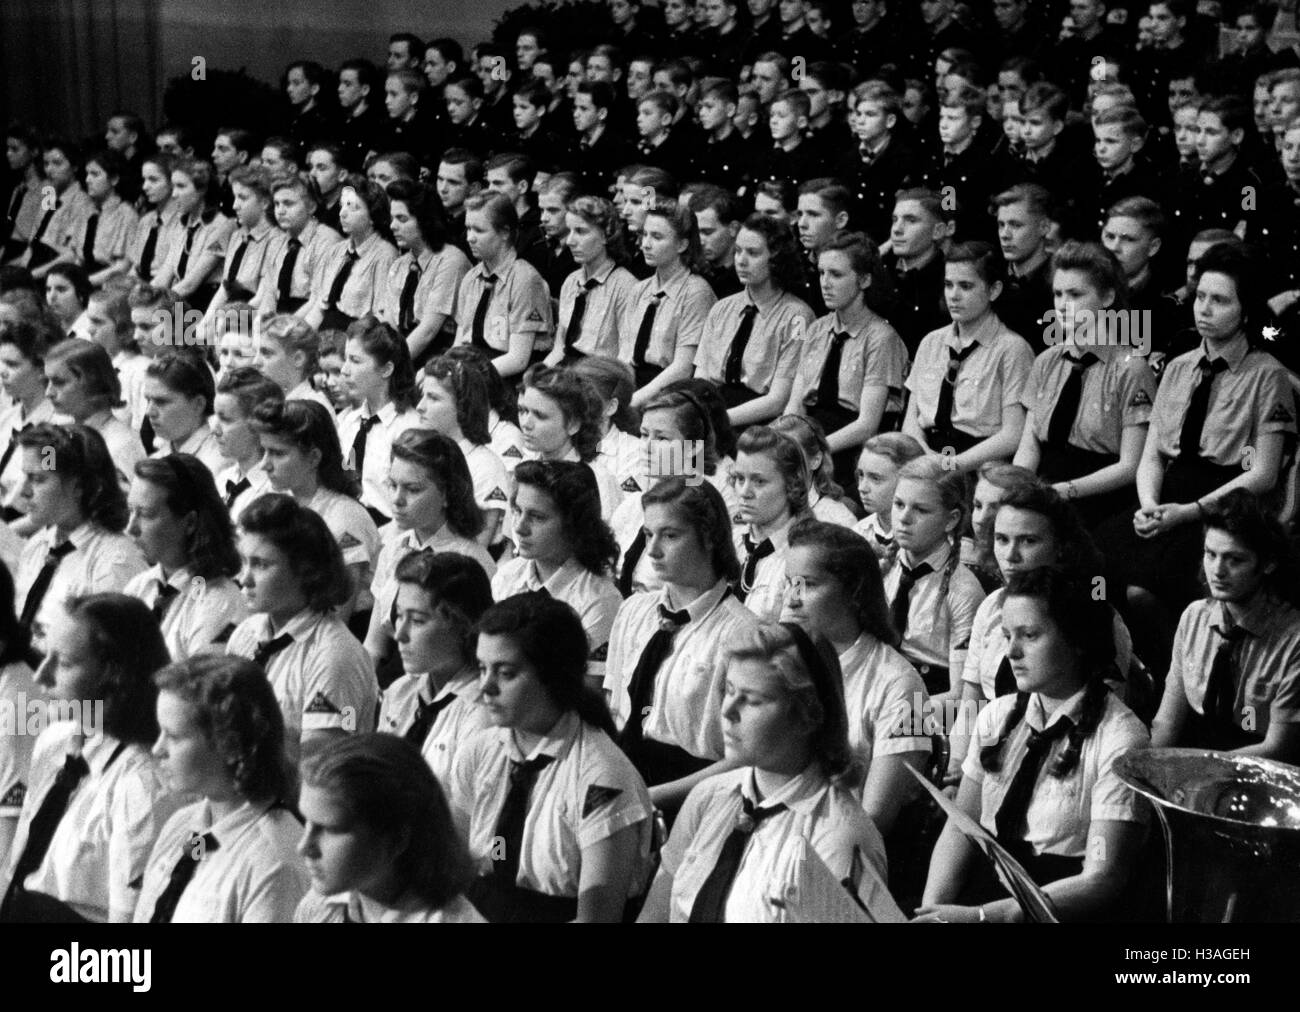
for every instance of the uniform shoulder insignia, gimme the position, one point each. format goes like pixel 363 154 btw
pixel 1141 399
pixel 224 635
pixel 14 796
pixel 630 485
pixel 601 653
pixel 348 541
pixel 533 317
pixel 136 883
pixel 496 495
pixel 512 451
pixel 1280 414
pixel 598 796
pixel 321 704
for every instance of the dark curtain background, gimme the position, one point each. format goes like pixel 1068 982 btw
pixel 68 64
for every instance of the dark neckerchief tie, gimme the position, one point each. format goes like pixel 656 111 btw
pixel 477 336
pixel 630 562
pixel 237 261
pixel 193 850
pixel 268 649
pixel 45 223
pixel 1004 682
pixel 150 248
pixel 1198 407
pixel 46 821
pixel 147 435
pixel 235 488
pixel 754 554
pixel 16 202
pixel 183 264
pixel 1015 803
pixel 166 594
pixel 1221 688
pixel 359 443
pixel 711 901
pixel 12 448
pixel 425 715
pixel 828 387
pixel 573 333
pixel 88 243
pixel 943 413
pixel 341 278
pixel 284 283
pixel 514 813
pixel 1067 404
pixel 735 357
pixel 406 301
pixel 907 579
pixel 644 331
pixel 641 688
pixel 42 582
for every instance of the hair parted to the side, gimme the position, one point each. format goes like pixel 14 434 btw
pixel 445 464
pixel 852 563
pixel 701 508
pixel 313 554
pixel 457 587
pixel 384 783
pixel 308 426
pixel 574 494
pixel 791 463
pixel 79 454
pixel 577 400
pixel 190 491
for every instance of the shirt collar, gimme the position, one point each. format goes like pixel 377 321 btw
pixel 233 824
pixel 196 439
pixel 1234 353
pixel 801 794
pixel 1255 618
pixel 936 559
pixel 366 246
pixel 298 627
pixel 982 334
pixel 554 743
pixel 263 229
pixel 1035 715
pixel 97 751
pixel 601 276
pixel 503 268
pixel 701 606
pixel 560 579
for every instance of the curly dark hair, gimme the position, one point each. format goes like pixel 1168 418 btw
pixel 387 347
pixel 191 491
pixel 445 463
pixel 784 259
pixel 848 558
pixel 578 402
pixel 457 586
pixel 80 453
pixel 425 208
pixel 308 426
pixel 376 201
pixel 301 534
pixel 469 386
pixel 702 508
pixel 573 491
pixel 187 374
pixel 236 709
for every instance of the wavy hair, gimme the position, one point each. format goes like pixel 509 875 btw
pixel 577 400
pixel 93 368
pixel 612 379
pixel 444 462
pixel 468 387
pixel 702 508
pixel 791 463
pixel 458 588
pixel 313 554
pixel 191 491
pixel 784 262
pixel 387 347
pixel 852 563
pixel 80 453
pixel 574 494
pixel 692 419
pixel 308 426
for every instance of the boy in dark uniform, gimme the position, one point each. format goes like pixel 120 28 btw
pixel 921 226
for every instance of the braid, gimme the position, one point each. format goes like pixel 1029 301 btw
pixel 991 754
pixel 1094 705
pixel 950 567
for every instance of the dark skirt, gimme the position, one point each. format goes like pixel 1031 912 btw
pixel 1068 463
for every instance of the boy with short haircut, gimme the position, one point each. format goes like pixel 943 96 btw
pixel 1025 215
pixel 493 68
pixel 1170 55
pixel 747 121
pixel 1225 191
pixel 1050 159
pixel 826 84
pixel 600 151
pixel 360 120
pixel 1119 135
pixel 880 163
pixel 533 136
pixel 1134 232
pixel 460 176
pixel 963 171
pixel 723 156
pixel 232 148
pixel 659 144
pixel 718 216
pixel 512 174
pixel 919 229
pixel 788 158
pixel 405 129
pixel 325 167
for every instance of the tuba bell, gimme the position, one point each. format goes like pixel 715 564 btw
pixel 1231 827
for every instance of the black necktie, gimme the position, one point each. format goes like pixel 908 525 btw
pixel 147 435
pixel 1189 443
pixel 477 337
pixel 12 448
pixel 630 561
pixel 736 355
pixel 16 201
pixel 42 583
pixel 907 578
pixel 510 823
pixel 1221 689
pixel 236 261
pixel 1015 803
pixel 184 261
pixel 150 248
pixel 45 223
pixel 641 688
pixel 828 388
pixel 359 443
pixel 265 651
pixel 425 715
pixel 234 488
pixel 711 901
pixel 643 331
pixel 406 302
pixel 341 278
pixel 754 553
pixel 573 332
pixel 88 244
pixel 1067 404
pixel 166 594
pixel 1004 682
pixel 46 821
pixel 943 413
pixel 284 283
pixel 193 851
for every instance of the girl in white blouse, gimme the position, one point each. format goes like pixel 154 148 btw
pixel 1040 774
pixel 379 842
pixel 229 857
